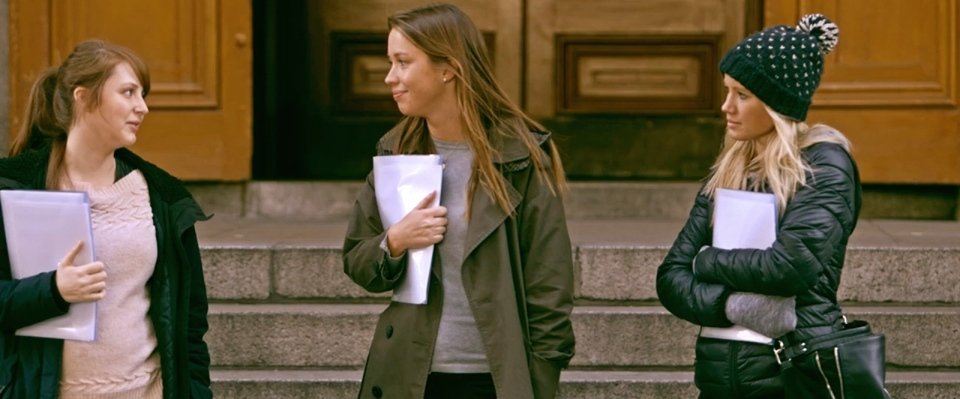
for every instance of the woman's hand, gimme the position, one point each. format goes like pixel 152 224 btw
pixel 80 283
pixel 422 227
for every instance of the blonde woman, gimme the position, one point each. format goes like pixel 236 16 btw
pixel 788 291
pixel 497 319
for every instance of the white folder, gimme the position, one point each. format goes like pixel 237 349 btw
pixel 401 182
pixel 41 228
pixel 742 219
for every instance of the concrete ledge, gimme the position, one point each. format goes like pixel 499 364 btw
pixel 315 273
pixel 237 273
pixel 630 200
pixel 296 335
pixel 574 384
pixel 604 273
pixel 333 200
pixel 285 384
pixel 607 336
pixel 870 274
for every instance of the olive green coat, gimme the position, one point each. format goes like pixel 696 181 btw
pixel 518 277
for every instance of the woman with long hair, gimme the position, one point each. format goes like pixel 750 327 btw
pixel 146 279
pixel 497 318
pixel 744 299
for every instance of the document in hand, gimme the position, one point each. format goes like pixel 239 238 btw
pixel 401 182
pixel 41 228
pixel 744 219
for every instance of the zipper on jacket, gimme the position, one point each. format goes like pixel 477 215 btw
pixel 732 366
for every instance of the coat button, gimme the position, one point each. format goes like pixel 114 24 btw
pixel 389 331
pixel 377 392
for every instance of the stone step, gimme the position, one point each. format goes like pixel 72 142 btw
pixel 338 335
pixel 333 200
pixel 273 260
pixel 574 384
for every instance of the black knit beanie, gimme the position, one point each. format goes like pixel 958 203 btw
pixel 781 65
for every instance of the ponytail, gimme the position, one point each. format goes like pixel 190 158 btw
pixel 43 122
pixel 39 121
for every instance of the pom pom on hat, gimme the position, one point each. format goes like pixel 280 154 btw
pixel 823 29
pixel 782 64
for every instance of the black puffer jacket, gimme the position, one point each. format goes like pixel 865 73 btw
pixel 30 367
pixel 805 260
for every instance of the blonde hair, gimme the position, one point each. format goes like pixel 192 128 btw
pixel 779 168
pixel 50 109
pixel 448 36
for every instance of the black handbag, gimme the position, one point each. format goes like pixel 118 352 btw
pixel 850 363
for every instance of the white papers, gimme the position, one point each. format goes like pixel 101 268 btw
pixel 744 219
pixel 401 182
pixel 41 228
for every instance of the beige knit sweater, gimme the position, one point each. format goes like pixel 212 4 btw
pixel 122 362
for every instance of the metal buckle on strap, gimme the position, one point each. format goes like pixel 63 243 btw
pixel 788 352
pixel 777 349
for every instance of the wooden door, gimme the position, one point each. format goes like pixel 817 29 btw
pixel 891 84
pixel 629 88
pixel 198 51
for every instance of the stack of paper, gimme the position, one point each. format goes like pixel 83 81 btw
pixel 41 228
pixel 401 182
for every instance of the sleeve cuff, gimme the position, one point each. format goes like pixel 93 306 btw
pixel 392 266
pixel 55 292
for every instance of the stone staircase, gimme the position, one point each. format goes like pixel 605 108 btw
pixel 285 322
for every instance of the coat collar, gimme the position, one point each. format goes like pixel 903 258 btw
pixel 28 170
pixel 25 171
pixel 508 147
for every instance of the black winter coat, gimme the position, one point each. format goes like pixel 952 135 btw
pixel 805 260
pixel 178 299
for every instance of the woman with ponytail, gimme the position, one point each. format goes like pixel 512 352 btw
pixel 745 299
pixel 147 279
pixel 497 319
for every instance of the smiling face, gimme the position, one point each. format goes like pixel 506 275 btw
pixel 747 119
pixel 419 86
pixel 115 122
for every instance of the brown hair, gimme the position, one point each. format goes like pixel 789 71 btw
pixel 448 36
pixel 50 107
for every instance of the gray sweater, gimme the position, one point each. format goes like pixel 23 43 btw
pixel 459 348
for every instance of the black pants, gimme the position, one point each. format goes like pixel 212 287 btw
pixel 460 386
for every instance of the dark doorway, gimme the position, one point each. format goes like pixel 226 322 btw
pixel 297 134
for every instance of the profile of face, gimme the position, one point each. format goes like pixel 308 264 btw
pixel 417 83
pixel 115 122
pixel 747 119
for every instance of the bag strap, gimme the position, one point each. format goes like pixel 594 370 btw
pixel 849 331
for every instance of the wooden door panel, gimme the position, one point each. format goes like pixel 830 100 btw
pixel 199 126
pixel 901 145
pixel 182 65
pixel 891 84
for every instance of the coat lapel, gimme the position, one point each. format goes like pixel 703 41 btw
pixel 486 216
